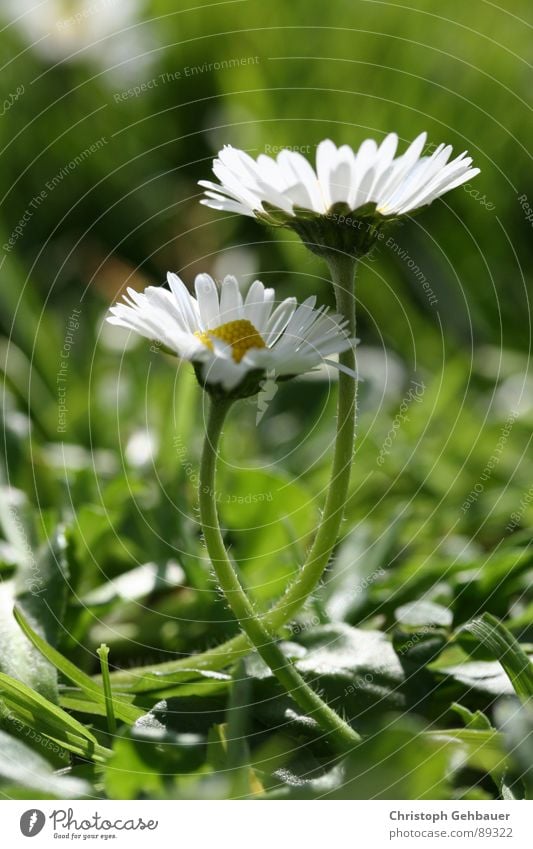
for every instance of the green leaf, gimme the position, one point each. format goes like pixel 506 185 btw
pixel 149 679
pixel 24 767
pixel 421 613
pixel 136 584
pixel 398 761
pixel 42 586
pixel 123 711
pixel 495 636
pixel 358 672
pixel 359 563
pixel 516 724
pixel 39 588
pixel 481 749
pixel 17 658
pixel 476 720
pixel 48 719
pixel 150 756
pixel 476 677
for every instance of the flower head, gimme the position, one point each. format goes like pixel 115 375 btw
pixel 232 341
pixel 371 184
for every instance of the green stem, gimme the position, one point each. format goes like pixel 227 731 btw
pixel 342 269
pixel 103 654
pixel 342 273
pixel 342 736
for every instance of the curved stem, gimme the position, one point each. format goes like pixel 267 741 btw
pixel 342 736
pixel 342 273
pixel 342 269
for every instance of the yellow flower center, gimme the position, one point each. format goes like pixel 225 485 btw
pixel 240 334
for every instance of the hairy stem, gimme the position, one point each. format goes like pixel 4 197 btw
pixel 342 736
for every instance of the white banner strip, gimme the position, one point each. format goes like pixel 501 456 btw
pixel 269 825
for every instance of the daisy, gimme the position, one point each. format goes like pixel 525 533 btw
pixel 345 187
pixel 232 341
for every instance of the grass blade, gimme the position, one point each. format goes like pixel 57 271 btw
pixel 505 648
pixel 49 719
pixel 122 711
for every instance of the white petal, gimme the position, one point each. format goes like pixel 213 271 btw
pixel 371 174
pixel 342 174
pixel 299 195
pixel 271 173
pixel 304 178
pixel 255 306
pixel 298 323
pixel 401 167
pixel 207 295
pixel 239 189
pixel 279 320
pixel 230 300
pixel 223 370
pixel 228 206
pixel 326 154
pixel 364 160
pixel 186 302
pixel 383 164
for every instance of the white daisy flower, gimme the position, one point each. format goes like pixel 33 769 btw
pixel 370 183
pixel 232 341
pixel 370 175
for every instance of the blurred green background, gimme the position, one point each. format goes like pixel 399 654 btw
pixel 109 118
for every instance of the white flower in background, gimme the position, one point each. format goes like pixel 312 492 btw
pixel 373 175
pixel 81 30
pixel 234 341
